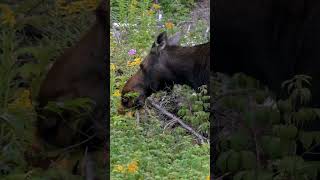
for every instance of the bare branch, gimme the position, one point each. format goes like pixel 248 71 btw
pixel 138 118
pixel 173 117
pixel 221 177
pixel 88 166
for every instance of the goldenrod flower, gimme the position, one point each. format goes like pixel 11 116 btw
pixel 133 167
pixel 129 114
pixel 138 60
pixel 113 67
pixel 117 93
pixel 8 16
pixel 75 7
pixel 119 168
pixel 169 25
pixel 135 62
pixel 150 12
pixel 208 178
pixel 156 6
pixel 23 101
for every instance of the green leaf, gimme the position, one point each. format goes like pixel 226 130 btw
pixel 234 161
pixel 222 161
pixel 271 146
pixel 285 105
pixel 285 131
pixel 291 164
pixel 288 147
pixel 306 138
pixel 248 160
pixel 239 140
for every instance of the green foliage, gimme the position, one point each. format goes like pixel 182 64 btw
pixel 262 146
pixel 194 107
pixel 145 137
pixel 154 150
pixel 124 11
pixel 177 10
pixel 33 34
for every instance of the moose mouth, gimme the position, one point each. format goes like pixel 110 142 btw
pixel 130 102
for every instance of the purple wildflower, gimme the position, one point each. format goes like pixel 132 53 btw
pixel 132 52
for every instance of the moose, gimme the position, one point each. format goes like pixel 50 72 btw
pixel 166 64
pixel 80 72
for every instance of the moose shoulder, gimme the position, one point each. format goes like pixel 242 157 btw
pixel 79 73
pixel 168 63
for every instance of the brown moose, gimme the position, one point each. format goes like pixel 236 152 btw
pixel 168 63
pixel 79 73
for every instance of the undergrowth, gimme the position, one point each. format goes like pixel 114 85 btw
pixel 33 34
pixel 144 144
pixel 254 140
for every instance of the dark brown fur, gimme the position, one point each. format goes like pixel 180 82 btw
pixel 79 72
pixel 168 64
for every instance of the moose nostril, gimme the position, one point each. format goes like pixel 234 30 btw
pixel 139 103
pixel 125 101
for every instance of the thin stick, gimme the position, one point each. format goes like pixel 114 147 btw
pixel 88 166
pixel 221 177
pixel 138 118
pixel 76 145
pixel 185 126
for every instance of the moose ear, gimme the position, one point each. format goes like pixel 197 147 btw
pixel 161 41
pixel 175 39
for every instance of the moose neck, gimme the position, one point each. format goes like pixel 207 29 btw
pixel 97 37
pixel 189 65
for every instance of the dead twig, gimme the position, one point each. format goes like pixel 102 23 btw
pixel 88 166
pixel 173 117
pixel 138 118
pixel 169 124
pixel 64 150
pixel 221 177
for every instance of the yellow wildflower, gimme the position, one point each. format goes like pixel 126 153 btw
pixel 208 178
pixel 169 25
pixel 8 16
pixel 75 7
pixel 119 168
pixel 133 167
pixel 135 62
pixel 156 6
pixel 129 114
pixel 150 12
pixel 117 93
pixel 22 101
pixel 113 67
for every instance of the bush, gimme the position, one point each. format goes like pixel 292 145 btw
pixel 258 144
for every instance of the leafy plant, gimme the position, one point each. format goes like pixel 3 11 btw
pixel 142 136
pixel 33 34
pixel 261 146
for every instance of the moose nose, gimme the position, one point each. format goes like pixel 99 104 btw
pixel 124 101
pixel 139 102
